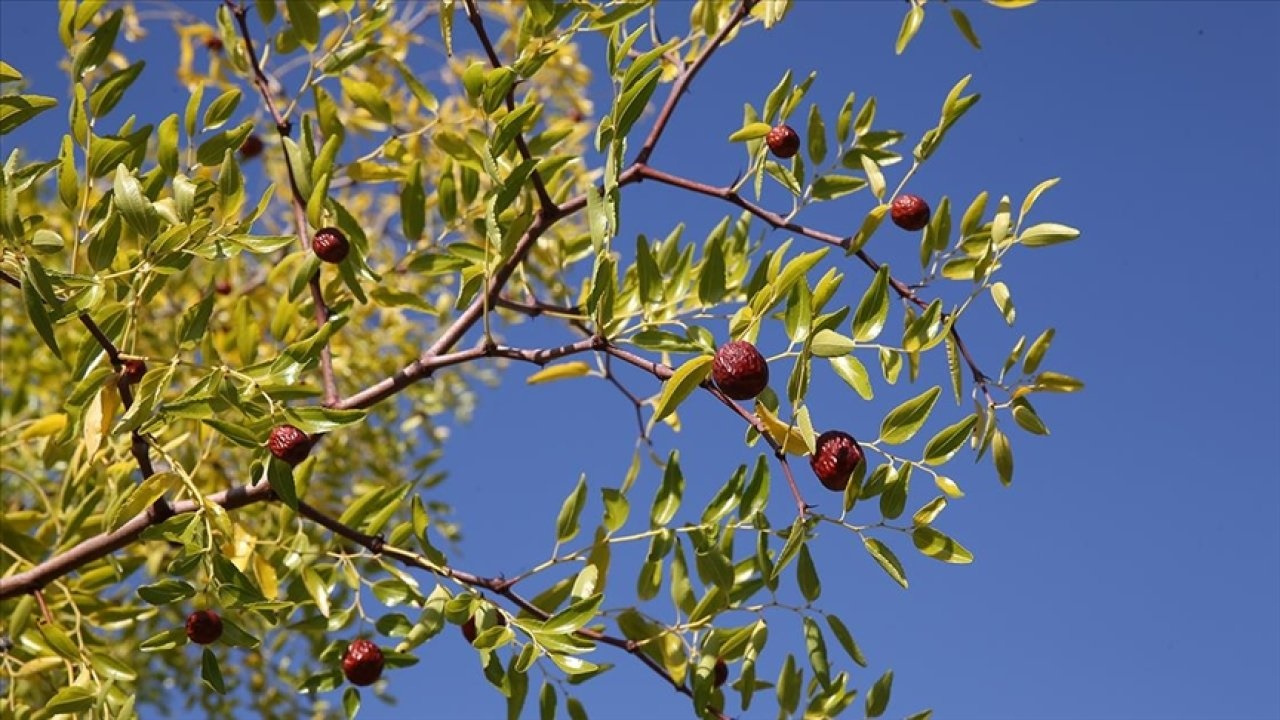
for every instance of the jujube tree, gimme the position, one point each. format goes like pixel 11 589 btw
pixel 235 336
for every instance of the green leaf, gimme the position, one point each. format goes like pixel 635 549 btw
pixel 751 131
pixel 96 49
pixel 1057 382
pixel 1036 352
pixel 109 92
pixel 133 205
pixel 69 700
pixel 368 96
pixel 816 135
pixel 305 19
pixel 280 477
pixel 141 496
pixel 37 311
pixel 886 559
pixel 616 509
pixel 807 576
pixel 221 109
pixel 939 547
pixel 873 309
pixel 947 441
pixel 1000 295
pixel 904 421
pixel 1046 234
pixel 878 695
pixel 910 25
pixel 1003 456
pixel 962 23
pixel 831 344
pixel 795 540
pixel 573 617
pixel 816 646
pixel 210 673
pixel 1027 419
pixel 166 591
pixel 852 371
pixel 316 589
pixel 832 185
pixel 1036 192
pixel 845 638
pixel 667 500
pixel 570 511
pixel 681 384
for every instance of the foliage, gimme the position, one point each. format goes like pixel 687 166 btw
pixel 481 196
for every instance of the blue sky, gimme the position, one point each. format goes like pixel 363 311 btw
pixel 1133 568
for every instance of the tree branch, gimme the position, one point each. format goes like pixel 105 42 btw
pixel 682 82
pixel 283 128
pixel 477 22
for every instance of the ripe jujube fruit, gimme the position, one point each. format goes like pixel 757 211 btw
pixel 739 370
pixel 330 245
pixel 362 663
pixel 132 370
pixel 783 141
pixel 836 456
pixel 909 212
pixel 720 673
pixel 204 626
pixel 251 147
pixel 289 444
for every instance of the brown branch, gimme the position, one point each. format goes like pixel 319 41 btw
pixel 284 127
pixel 682 82
pixel 104 544
pixel 138 446
pixel 477 22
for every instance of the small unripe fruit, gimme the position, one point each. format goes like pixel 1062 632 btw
pixel 330 245
pixel 222 287
pixel 362 663
pixel 251 147
pixel 739 370
pixel 783 141
pixel 909 212
pixel 204 626
pixel 835 458
pixel 289 444
pixel 720 674
pixel 133 370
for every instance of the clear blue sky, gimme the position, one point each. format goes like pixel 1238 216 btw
pixel 1133 569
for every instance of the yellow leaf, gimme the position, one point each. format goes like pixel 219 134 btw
pixel 45 426
pixel 266 575
pixel 563 371
pixel 1011 4
pixel 794 444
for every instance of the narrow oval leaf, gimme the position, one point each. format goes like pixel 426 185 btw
pixel 563 371
pixel 938 546
pixel 887 560
pixel 681 384
pixel 904 421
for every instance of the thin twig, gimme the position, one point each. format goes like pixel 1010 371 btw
pixel 477 22
pixel 284 127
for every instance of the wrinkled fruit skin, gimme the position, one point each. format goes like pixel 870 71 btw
pixel 251 147
pixel 835 459
pixel 739 370
pixel 330 245
pixel 133 371
pixel 470 632
pixel 362 663
pixel 289 444
pixel 204 626
pixel 720 674
pixel 783 141
pixel 909 212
